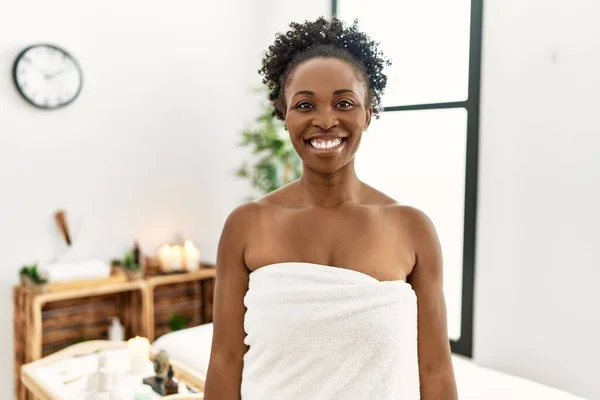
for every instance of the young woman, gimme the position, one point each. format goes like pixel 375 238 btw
pixel 319 283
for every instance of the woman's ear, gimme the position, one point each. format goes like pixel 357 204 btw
pixel 368 118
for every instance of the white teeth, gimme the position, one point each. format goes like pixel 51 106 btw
pixel 325 144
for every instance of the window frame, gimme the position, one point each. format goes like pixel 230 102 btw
pixel 464 345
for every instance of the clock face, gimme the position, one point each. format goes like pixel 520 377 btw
pixel 47 76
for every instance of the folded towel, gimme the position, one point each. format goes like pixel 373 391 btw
pixel 64 272
pixel 320 332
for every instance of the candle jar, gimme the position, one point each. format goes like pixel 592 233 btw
pixel 164 258
pixel 176 258
pixel 139 354
pixel 192 256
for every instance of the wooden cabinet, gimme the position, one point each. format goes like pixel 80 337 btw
pixel 48 322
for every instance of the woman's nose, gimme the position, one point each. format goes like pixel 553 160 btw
pixel 325 119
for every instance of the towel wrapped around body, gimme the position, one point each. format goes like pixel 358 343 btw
pixel 319 332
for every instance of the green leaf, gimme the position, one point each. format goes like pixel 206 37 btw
pixel 178 322
pixel 278 163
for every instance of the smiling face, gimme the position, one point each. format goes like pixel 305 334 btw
pixel 326 111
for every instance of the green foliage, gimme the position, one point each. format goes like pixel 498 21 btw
pixel 178 322
pixel 31 271
pixel 277 162
pixel 129 262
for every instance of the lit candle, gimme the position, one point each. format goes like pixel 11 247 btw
pixel 192 256
pixel 164 257
pixel 139 354
pixel 176 258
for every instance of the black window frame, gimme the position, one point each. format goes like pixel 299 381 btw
pixel 464 345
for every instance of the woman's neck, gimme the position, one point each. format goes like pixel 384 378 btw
pixel 329 190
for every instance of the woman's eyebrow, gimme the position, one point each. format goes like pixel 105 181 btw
pixel 342 91
pixel 307 92
pixel 335 93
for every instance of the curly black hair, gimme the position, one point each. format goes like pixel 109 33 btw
pixel 323 38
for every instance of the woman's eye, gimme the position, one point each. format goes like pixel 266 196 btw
pixel 344 104
pixel 304 105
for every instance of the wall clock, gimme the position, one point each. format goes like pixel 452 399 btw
pixel 47 76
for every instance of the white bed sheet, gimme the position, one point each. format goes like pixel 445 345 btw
pixel 192 347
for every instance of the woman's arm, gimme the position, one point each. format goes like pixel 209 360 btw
pixel 224 375
pixel 435 361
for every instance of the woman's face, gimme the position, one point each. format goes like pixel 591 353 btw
pixel 326 112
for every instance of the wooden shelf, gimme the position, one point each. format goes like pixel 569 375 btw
pixel 51 321
pixel 202 273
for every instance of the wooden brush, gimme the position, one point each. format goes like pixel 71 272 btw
pixel 61 219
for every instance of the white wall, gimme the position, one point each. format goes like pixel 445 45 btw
pixel 538 265
pixel 147 151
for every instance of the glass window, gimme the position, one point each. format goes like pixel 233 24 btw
pixel 418 158
pixel 427 41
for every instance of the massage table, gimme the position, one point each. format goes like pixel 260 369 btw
pixel 191 347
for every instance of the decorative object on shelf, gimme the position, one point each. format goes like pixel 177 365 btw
pixel 161 369
pixel 47 76
pixel 131 263
pixel 161 364
pixel 164 381
pixel 61 220
pixel 178 322
pixel 31 277
pixel 278 163
pixel 171 384
pixel 178 258
pixel 191 256
pixel 77 271
pixel 139 354
pixel 104 378
pixel 116 331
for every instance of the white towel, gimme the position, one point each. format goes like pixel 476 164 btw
pixel 320 332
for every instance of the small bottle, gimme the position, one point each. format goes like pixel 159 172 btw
pixel 116 332
pixel 137 253
pixel 103 390
pixel 171 384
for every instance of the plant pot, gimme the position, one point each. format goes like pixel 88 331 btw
pixel 134 275
pixel 33 286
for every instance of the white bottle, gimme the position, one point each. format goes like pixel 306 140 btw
pixel 100 383
pixel 103 391
pixel 116 332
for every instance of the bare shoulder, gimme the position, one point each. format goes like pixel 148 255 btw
pixel 415 220
pixel 237 227
pixel 242 216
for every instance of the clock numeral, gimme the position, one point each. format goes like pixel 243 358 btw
pixel 27 60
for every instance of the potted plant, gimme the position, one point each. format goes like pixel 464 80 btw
pixel 132 268
pixel 276 162
pixel 178 322
pixel 131 263
pixel 32 278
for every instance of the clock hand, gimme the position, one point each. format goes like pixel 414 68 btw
pixel 50 76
